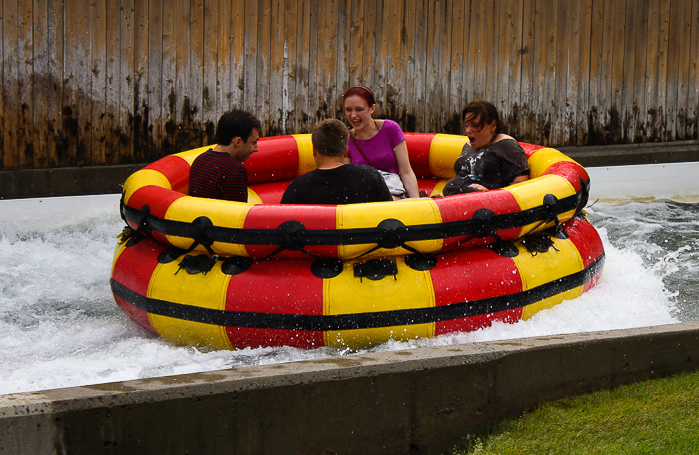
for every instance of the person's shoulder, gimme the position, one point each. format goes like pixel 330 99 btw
pixel 387 122
pixel 360 168
pixel 509 143
pixel 203 156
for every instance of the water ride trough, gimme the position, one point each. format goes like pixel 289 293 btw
pixel 231 275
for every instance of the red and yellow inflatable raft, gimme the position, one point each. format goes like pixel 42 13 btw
pixel 233 275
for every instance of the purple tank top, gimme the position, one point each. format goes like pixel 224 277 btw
pixel 379 149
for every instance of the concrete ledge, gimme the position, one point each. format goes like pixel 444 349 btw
pixel 70 181
pixel 627 154
pixel 109 179
pixel 403 402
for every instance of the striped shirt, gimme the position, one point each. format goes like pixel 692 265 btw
pixel 217 175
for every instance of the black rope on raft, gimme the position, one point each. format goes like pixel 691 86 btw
pixel 291 241
pixel 354 236
pixel 292 235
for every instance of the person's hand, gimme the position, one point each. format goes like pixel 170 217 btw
pixel 477 187
pixel 423 193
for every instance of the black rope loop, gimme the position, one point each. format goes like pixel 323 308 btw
pixel 291 240
pixel 143 221
pixel 392 235
pixel 583 196
pixel 550 205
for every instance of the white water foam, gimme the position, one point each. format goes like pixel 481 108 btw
pixel 60 327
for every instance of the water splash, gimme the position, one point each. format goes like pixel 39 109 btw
pixel 60 327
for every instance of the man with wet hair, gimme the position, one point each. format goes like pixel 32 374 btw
pixel 334 182
pixel 219 172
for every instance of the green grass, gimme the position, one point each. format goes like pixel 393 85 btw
pixel 650 417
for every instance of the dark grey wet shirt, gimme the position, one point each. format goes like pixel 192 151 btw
pixel 494 166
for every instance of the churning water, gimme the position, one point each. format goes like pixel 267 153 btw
pixel 60 327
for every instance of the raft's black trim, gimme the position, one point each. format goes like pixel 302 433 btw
pixel 358 320
pixel 326 268
pixel 388 234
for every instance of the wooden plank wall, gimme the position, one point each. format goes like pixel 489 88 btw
pixel 94 82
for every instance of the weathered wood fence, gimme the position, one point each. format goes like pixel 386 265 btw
pixel 92 82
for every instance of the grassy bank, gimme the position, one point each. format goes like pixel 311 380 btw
pixel 650 417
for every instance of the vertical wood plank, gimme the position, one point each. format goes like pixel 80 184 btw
pixel 618 74
pixel 541 35
pixel 512 73
pixel 657 69
pixel 684 26
pixel 676 49
pixel 276 69
pixel 454 96
pixel 10 87
pixel 250 66
pixel 433 76
pixel 444 36
pixel 490 52
pixel 218 16
pixel 237 88
pixel 156 101
pixel 597 74
pixel 76 58
pixel 289 107
pixel 181 94
pixel 476 48
pixel 525 111
pixel 311 15
pixel 549 107
pixel 126 84
pixel 261 101
pixel 564 33
pixel 627 102
pixel 583 69
pixel 570 117
pixel 641 74
pixel 343 51
pixel 98 36
pixel 3 151
pixel 503 60
pixel 329 85
pixel 169 79
pixel 303 63
pixel 141 137
pixel 110 118
pixel 368 56
pixel 415 56
pixel 693 79
pixel 605 73
pixel 213 48
pixel 196 81
pixel 41 84
pixel 25 74
pixel 356 42
pixel 381 58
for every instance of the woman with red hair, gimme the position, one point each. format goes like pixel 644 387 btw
pixel 378 143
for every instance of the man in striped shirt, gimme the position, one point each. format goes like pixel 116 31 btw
pixel 219 173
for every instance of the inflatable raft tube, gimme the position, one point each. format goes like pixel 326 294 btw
pixel 503 266
pixel 155 201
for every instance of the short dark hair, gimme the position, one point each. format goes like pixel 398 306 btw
pixel 235 123
pixel 485 110
pixel 361 91
pixel 330 137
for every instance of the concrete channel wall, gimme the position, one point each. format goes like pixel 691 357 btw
pixel 419 401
